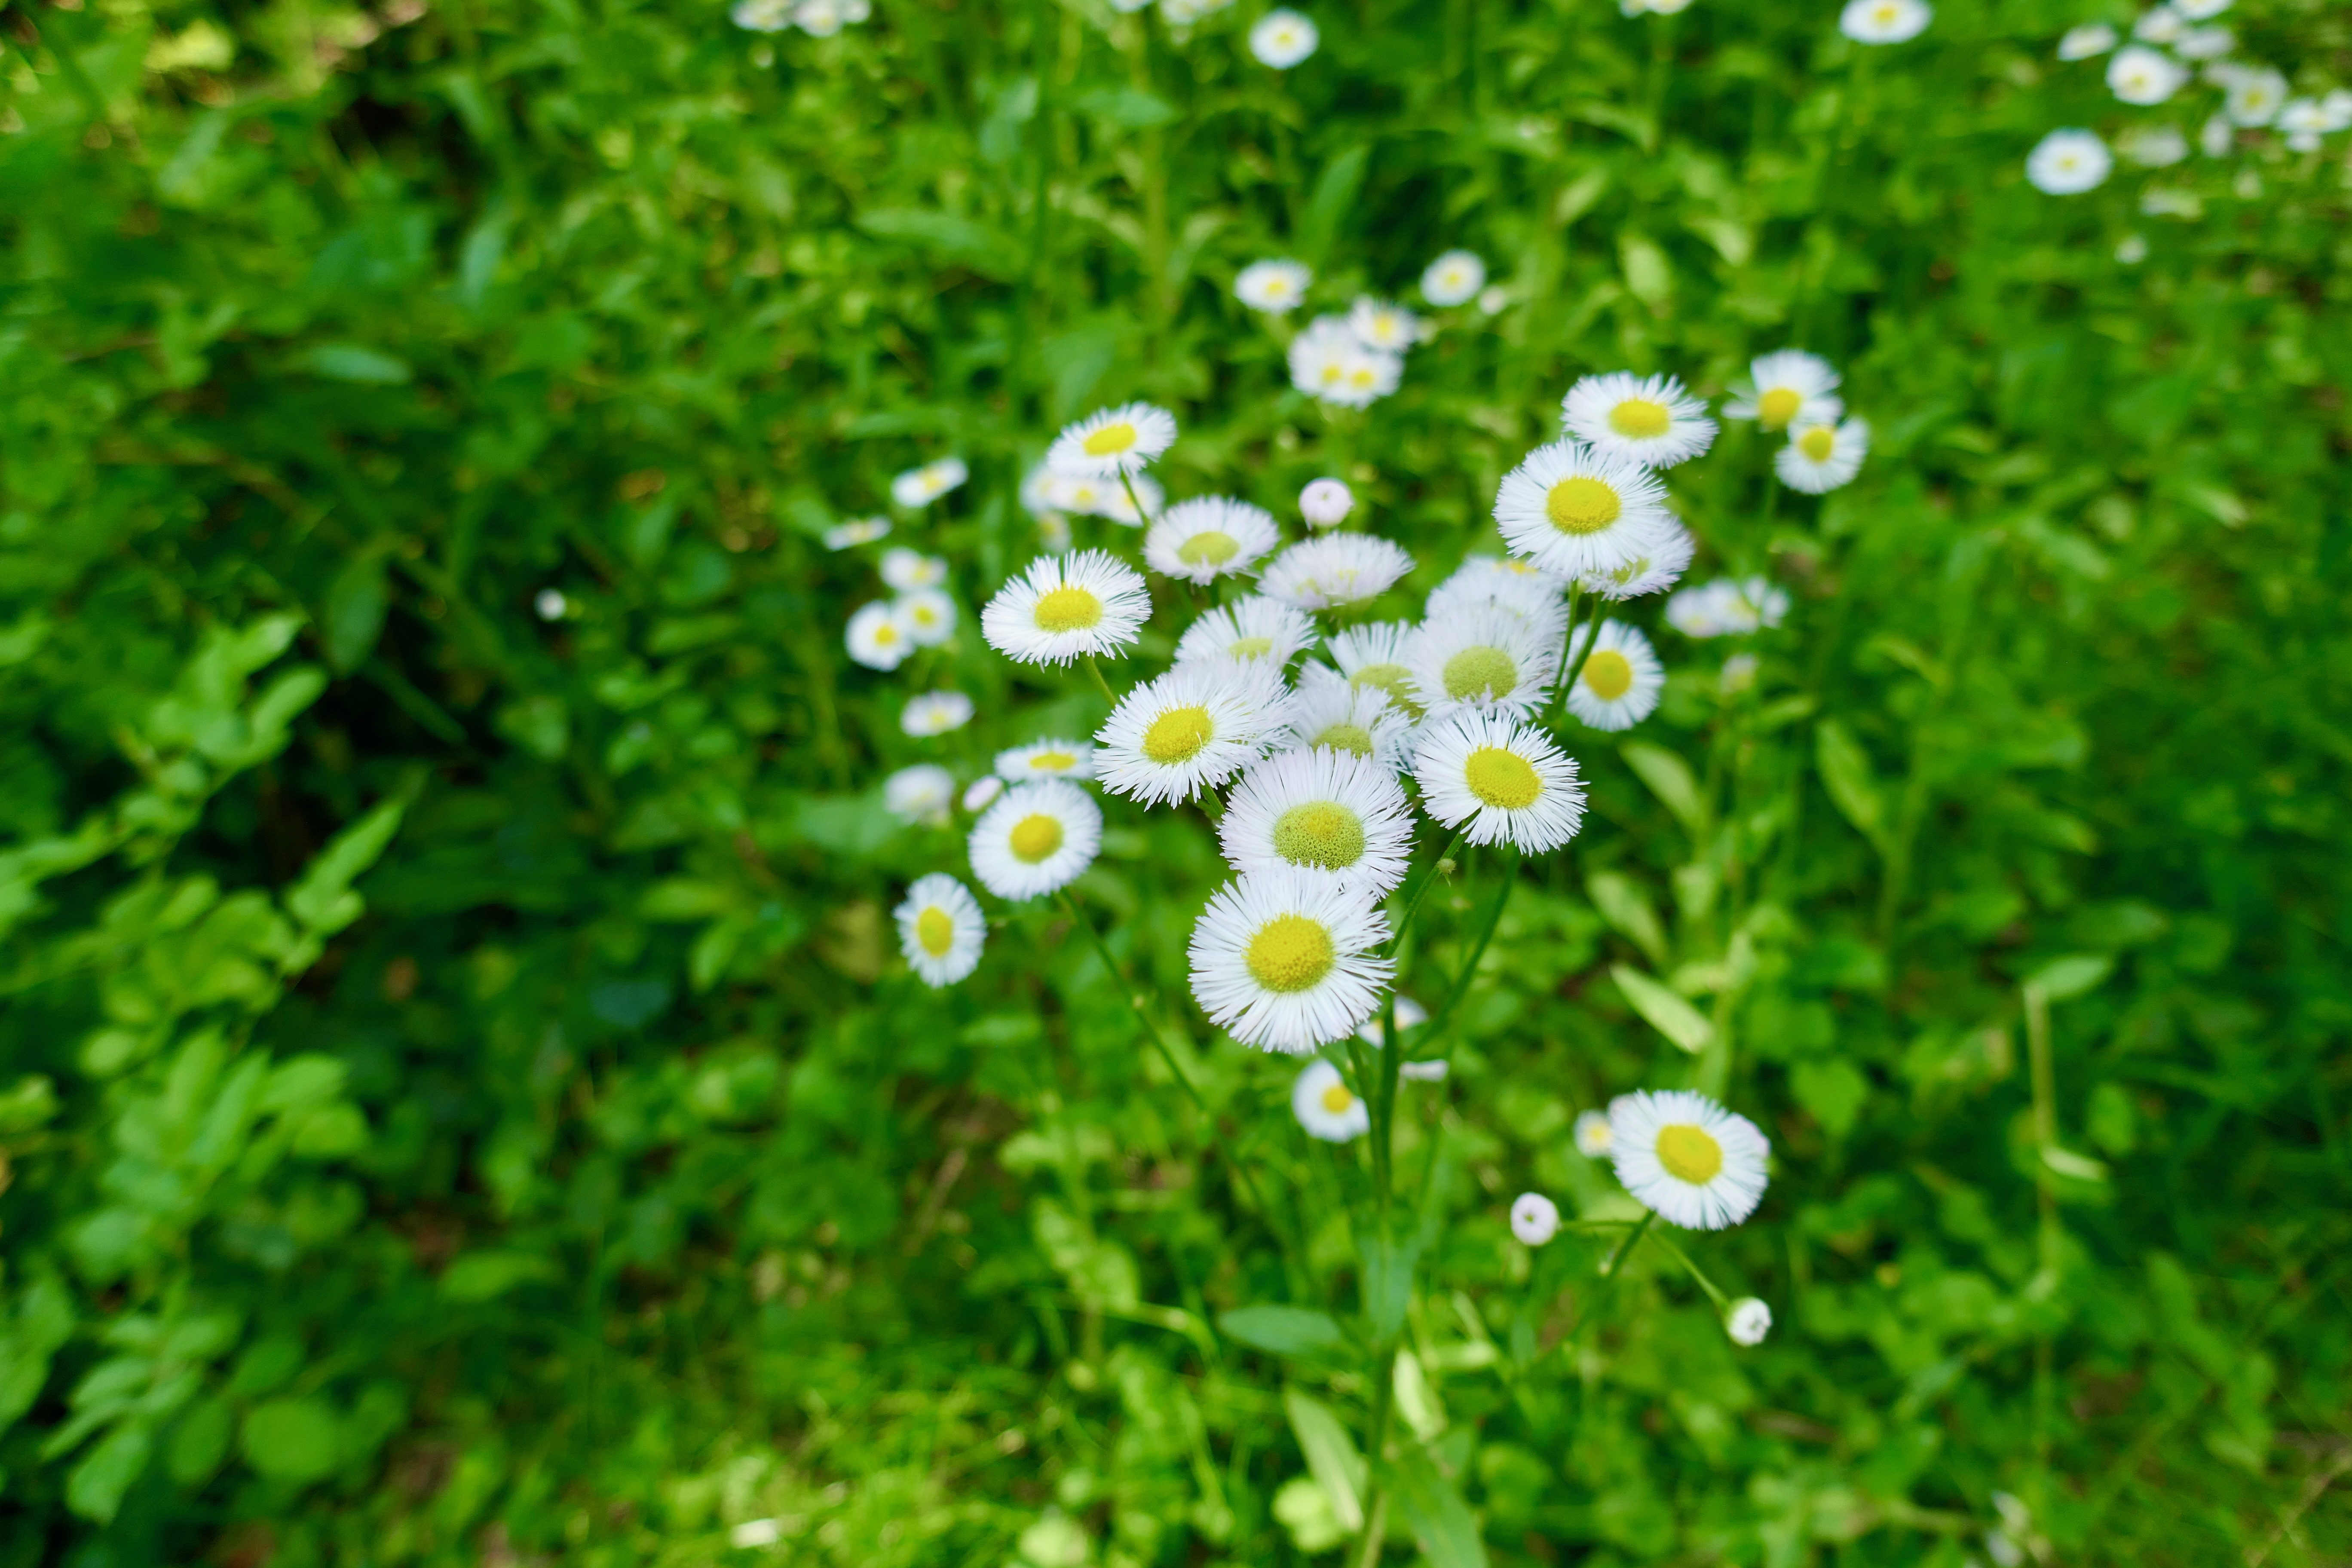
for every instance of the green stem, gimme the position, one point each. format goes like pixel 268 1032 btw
pixel 1376 1502
pixel 1722 1302
pixel 1417 889
pixel 1095 670
pixel 1437 1021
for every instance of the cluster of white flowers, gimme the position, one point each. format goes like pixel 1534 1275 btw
pixel 1355 360
pixel 819 19
pixel 883 633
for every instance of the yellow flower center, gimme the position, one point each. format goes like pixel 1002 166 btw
pixel 1689 1154
pixel 1817 444
pixel 1053 761
pixel 1035 837
pixel 1291 952
pixel 1249 648
pixel 1110 440
pixel 923 615
pixel 1392 679
pixel 1481 672
pixel 1776 407
pixel 1640 418
pixel 1362 376
pixel 934 931
pixel 1337 1100
pixel 885 634
pixel 1609 674
pixel 1209 547
pixel 1323 834
pixel 1501 778
pixel 1332 372
pixel 1177 735
pixel 1581 506
pixel 1067 610
pixel 1345 737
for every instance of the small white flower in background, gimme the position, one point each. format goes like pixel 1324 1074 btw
pixel 1276 288
pixel 1180 14
pixel 1513 586
pixel 1372 657
pixel 1593 1133
pixel 1191 730
pixel 1089 495
pixel 2255 97
pixel 1494 299
pixel 2218 137
pixel 857 531
pixel 1621 682
pixel 1330 815
pixel 1410 1014
pixel 2201 10
pixel 1432 1072
pixel 2205 42
pixel 2154 146
pixel 1653 571
pixel 1335 569
pixel 1328 361
pixel 904 569
pixel 1483 658
pixel 920 793
pixel 877 637
pixel 1120 507
pixel 1738 674
pixel 1065 605
pixel 1499 781
pixel 1210 537
pixel 935 713
pixel 2158 25
pixel 2090 39
pixel 2157 202
pixel 1054 531
pixel 1784 388
pixel 1326 503
pixel 1378 324
pixel 928 615
pixel 1283 38
pixel 1821 458
pixel 1535 1218
pixel 1749 1322
pixel 1727 606
pixel 1326 1108
pixel 2143 75
pixel 2068 163
pixel 981 793
pixel 763 16
pixel 1112 441
pixel 1649 419
pixel 1035 839
pixel 1454 278
pixel 2132 249
pixel 1050 759
pixel 1884 21
pixel 1686 1159
pixel 1258 631
pixel 824 18
pixel 756 1532
pixel 1360 720
pixel 1572 510
pixel 2304 122
pixel 941 930
pixel 2337 107
pixel 551 604
pixel 1286 961
pixel 921 486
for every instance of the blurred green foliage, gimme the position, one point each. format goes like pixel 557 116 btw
pixel 461 1102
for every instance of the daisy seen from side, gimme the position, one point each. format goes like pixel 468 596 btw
pixel 1499 781
pixel 1651 419
pixel 1655 570
pixel 1686 1159
pixel 855 531
pixel 940 930
pixel 1112 441
pixel 1089 601
pixel 1884 21
pixel 921 486
pixel 1257 630
pixel 1335 569
pixel 921 793
pixel 1035 839
pixel 1326 711
pixel 1286 961
pixel 1054 759
pixel 935 713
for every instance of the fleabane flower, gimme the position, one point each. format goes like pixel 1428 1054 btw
pixel 2154 146
pixel 1064 605
pixel 1328 361
pixel 2201 10
pixel 2205 42
pixel 1373 656
pixel 1498 780
pixel 1112 441
pixel 940 930
pixel 1482 657
pixel 1335 569
pixel 1273 288
pixel 935 713
pixel 1093 495
pixel 1258 631
pixel 1653 571
pixel 1648 418
pixel 1326 711
pixel 1053 759
pixel 1191 730
pixel 1283 38
pixel 2143 75
pixel 1325 1105
pixel 855 531
pixel 2090 39
pixel 1454 278
pixel 926 615
pixel 921 486
pixel 1821 458
pixel 906 569
pixel 824 18
pixel 1622 679
pixel 1727 607
pixel 1210 537
pixel 1786 386
pixel 1884 21
pixel 1286 961
pixel 877 637
pixel 1592 1133
pixel 1749 1322
pixel 1511 585
pixel 1570 509
pixel 1534 1219
pixel 1379 325
pixel 2254 98
pixel 1035 839
pixel 1686 1159
pixel 1326 812
pixel 2159 25
pixel 1326 503
pixel 920 793
pixel 2069 161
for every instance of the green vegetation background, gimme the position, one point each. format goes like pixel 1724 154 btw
pixel 462 1103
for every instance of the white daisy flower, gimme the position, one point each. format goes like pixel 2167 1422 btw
pixel 824 18
pixel 2302 118
pixel 551 604
pixel 2205 42
pixel 1091 495
pixel 1653 571
pixel 1535 1218
pixel 1210 537
pixel 1485 582
pixel 761 16
pixel 2337 107
pixel 920 793
pixel 877 637
pixel 1191 730
pixel 935 713
pixel 941 930
pixel 1572 510
pixel 1035 839
pixel 1051 759
pixel 1283 38
pixel 1257 631
pixel 2159 25
pixel 1064 605
pixel 1621 682
pixel 1360 720
pixel 2155 146
pixel 928 616
pixel 1335 569
pixel 1276 287
pixel 921 486
pixel 1054 532
pixel 1432 1072
pixel 1785 387
pixel 2141 75
pixel 906 569
pixel 1372 654
pixel 1593 1133
pixel 2255 97
pixel 1884 21
pixel 1650 419
pixel 1329 362
pixel 2217 137
pixel 981 793
pixel 1821 458
pixel 2068 163
pixel 1454 278
pixel 1494 299
pixel 1329 813
pixel 855 531
pixel 1120 507
pixel 2201 10
pixel 1287 962
pixel 1498 780
pixel 1686 1159
pixel 2090 39
pixel 1410 1014
pixel 1749 1322
pixel 1727 607
pixel 1112 441
pixel 1378 324
pixel 1482 659
pixel 1325 1107
pixel 1326 503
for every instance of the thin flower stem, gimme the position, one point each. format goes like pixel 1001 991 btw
pixel 1610 1271
pixel 1133 500
pixel 1095 670
pixel 1722 1302
pixel 1572 673
pixel 1568 641
pixel 1438 1020
pixel 1415 890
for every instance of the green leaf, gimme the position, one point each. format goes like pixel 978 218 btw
pixel 482 1276
pixel 95 1489
pixel 291 1439
pixel 1846 775
pixel 1443 1525
pixel 1671 780
pixel 322 899
pixel 1125 107
pixel 200 1442
pixel 1335 195
pixel 1662 1010
pixel 2075 975
pixel 1627 910
pixel 1284 1331
pixel 1332 1456
pixel 352 619
pixel 354 362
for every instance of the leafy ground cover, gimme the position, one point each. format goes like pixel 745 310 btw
pixel 463 1100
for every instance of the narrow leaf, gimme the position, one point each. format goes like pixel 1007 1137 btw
pixel 1671 780
pixel 1332 1456
pixel 1665 1012
pixel 1853 788
pixel 1284 1331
